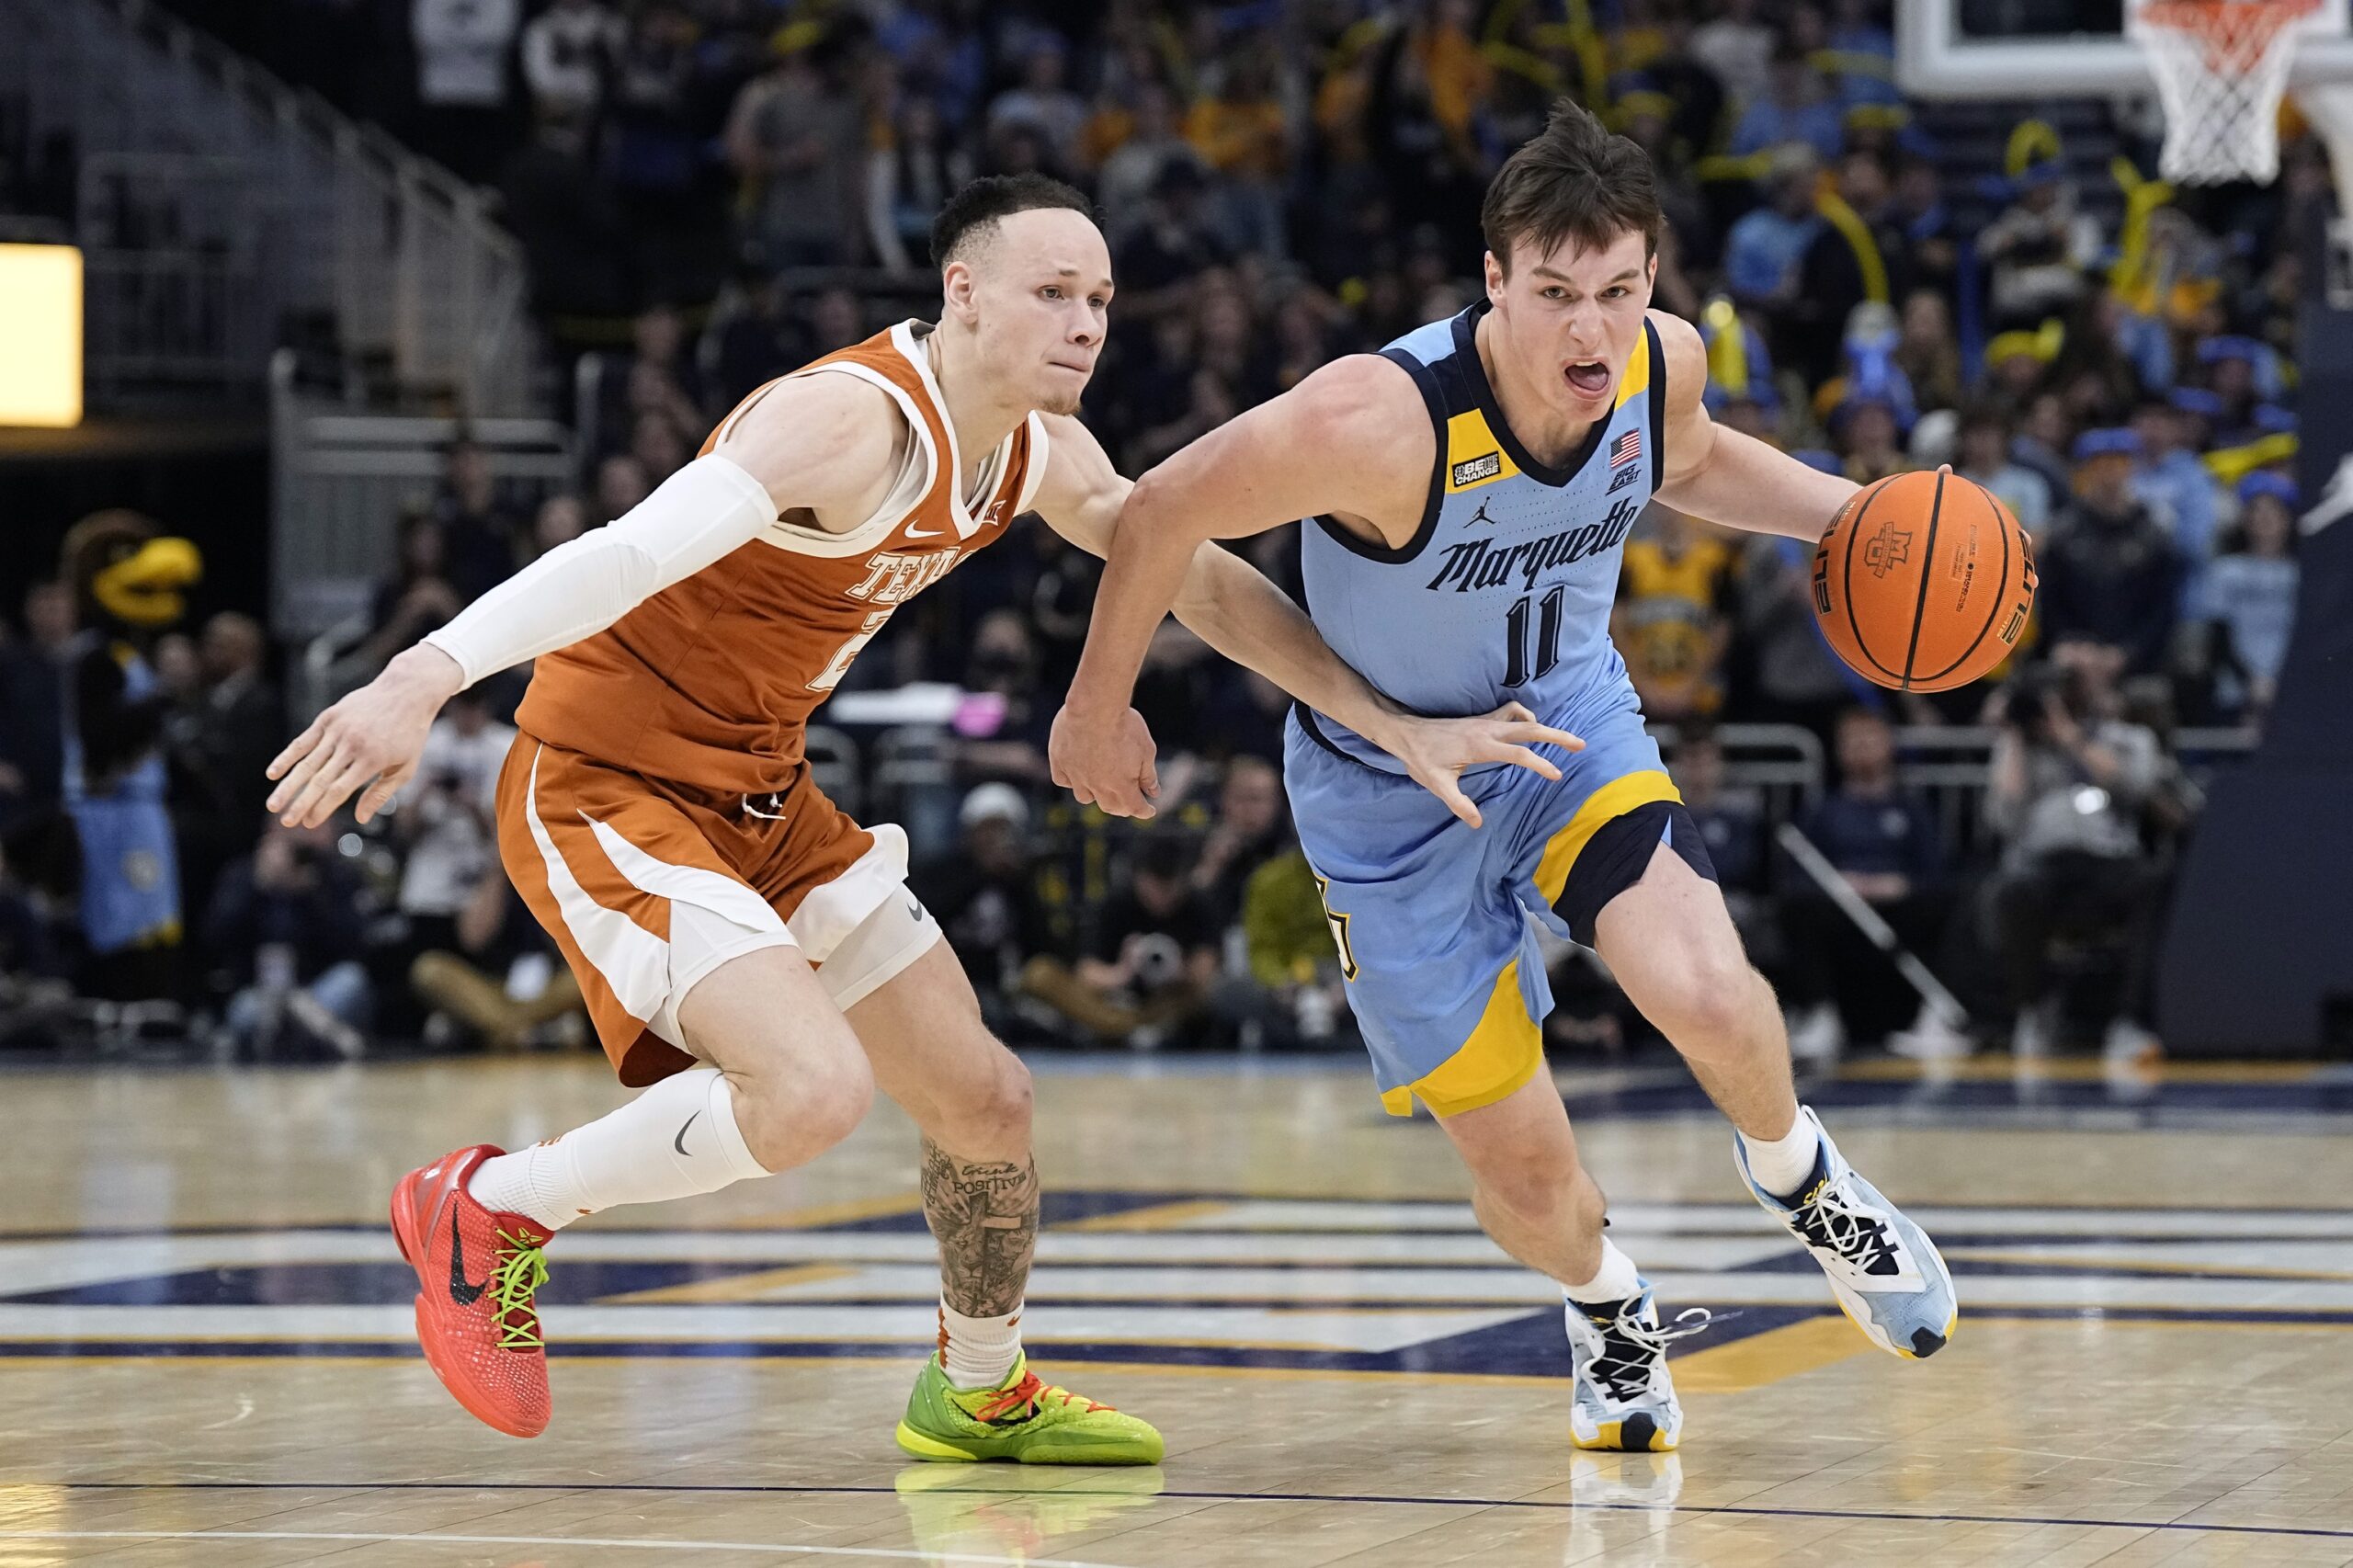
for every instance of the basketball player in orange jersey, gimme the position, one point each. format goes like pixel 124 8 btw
pixel 1471 488
pixel 749 954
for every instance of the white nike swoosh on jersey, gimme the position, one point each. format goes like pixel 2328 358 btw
pixel 926 533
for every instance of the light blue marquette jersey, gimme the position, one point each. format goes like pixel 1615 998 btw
pixel 1504 593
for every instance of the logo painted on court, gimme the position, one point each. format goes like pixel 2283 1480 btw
pixel 1887 550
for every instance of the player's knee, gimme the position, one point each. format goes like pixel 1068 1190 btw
pixel 1708 999
pixel 1555 1193
pixel 789 1111
pixel 1003 1108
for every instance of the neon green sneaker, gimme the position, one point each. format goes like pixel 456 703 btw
pixel 1022 1420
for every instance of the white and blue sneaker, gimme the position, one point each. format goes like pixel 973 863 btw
pixel 1884 1269
pixel 1623 1398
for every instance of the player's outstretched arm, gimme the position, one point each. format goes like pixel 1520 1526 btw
pixel 1723 476
pixel 820 442
pixel 1233 608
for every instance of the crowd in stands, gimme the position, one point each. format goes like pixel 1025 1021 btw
pixel 713 190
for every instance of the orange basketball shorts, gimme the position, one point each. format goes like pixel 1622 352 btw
pixel 649 886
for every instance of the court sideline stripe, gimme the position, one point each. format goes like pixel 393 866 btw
pixel 1467 1503
pixel 436 1539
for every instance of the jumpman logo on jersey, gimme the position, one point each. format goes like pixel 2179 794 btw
pixel 1480 516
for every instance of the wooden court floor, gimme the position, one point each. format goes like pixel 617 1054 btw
pixel 204 1351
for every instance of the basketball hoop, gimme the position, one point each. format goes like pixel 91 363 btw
pixel 2222 67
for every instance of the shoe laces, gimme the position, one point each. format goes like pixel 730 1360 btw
pixel 1833 1218
pixel 1632 1346
pixel 1032 1392
pixel 522 1269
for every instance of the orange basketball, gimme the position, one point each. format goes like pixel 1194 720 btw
pixel 1923 582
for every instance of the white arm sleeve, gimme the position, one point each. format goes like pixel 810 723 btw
pixel 705 511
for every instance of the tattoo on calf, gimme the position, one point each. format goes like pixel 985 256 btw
pixel 985 1217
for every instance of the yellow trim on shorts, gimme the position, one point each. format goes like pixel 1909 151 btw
pixel 1502 1053
pixel 1614 799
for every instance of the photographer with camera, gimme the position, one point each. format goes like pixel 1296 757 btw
pixel 448 828
pixel 286 924
pixel 2071 784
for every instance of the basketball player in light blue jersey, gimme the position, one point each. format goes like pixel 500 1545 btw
pixel 1469 490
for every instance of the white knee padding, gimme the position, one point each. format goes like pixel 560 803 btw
pixel 879 949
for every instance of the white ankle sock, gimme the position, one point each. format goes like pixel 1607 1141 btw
pixel 1616 1280
pixel 1781 1166
pixel 677 1139
pixel 978 1353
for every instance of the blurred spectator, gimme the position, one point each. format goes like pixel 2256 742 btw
pixel 836 320
pixel 1131 171
pixel 1793 678
pixel 621 484
pixel 1984 459
pixel 1251 830
pixel 1888 848
pixel 1154 958
pixel 1738 48
pixel 501 980
pixel 1847 257
pixel 1795 110
pixel 417 598
pixel 2250 596
pixel 1865 431
pixel 32 711
pixel 2040 249
pixel 569 218
pixel 446 823
pixel 221 738
pixel 1929 233
pixel 1241 131
pixel 1728 821
pixel 568 52
pixel 754 335
pixel 561 519
pixel 795 138
pixel 2044 438
pixel 1004 662
pixel 463 53
pixel 2111 575
pixel 285 928
pixel 2068 785
pixel 1289 994
pixel 1928 353
pixel 1043 104
pixel 1168 251
pixel 1671 621
pixel 478 527
pixel 2178 488
pixel 909 177
pixel 984 895
pixel 34 996
pixel 1762 253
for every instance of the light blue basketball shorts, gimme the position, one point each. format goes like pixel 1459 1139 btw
pixel 1432 917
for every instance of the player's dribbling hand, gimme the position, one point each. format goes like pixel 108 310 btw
pixel 1106 765
pixel 371 739
pixel 1435 751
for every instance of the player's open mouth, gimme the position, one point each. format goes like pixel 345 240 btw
pixel 1589 377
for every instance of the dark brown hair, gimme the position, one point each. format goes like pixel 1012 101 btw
pixel 1577 182
pixel 993 198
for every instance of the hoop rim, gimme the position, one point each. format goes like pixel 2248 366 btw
pixel 2207 19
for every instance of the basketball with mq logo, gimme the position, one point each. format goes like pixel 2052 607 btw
pixel 1924 582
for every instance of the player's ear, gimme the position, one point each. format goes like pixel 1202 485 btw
pixel 1494 277
pixel 956 286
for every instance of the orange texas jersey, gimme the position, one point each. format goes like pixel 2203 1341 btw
pixel 711 681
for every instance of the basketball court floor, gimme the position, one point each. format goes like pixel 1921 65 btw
pixel 205 1353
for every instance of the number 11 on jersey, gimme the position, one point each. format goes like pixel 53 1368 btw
pixel 1516 670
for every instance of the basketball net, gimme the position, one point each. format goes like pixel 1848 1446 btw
pixel 2221 67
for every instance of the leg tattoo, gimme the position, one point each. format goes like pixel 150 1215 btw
pixel 984 1216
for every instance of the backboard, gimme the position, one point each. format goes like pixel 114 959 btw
pixel 2026 49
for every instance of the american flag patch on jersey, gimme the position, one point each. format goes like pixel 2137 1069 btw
pixel 1625 448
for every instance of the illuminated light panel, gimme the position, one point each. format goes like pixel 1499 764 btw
pixel 40 336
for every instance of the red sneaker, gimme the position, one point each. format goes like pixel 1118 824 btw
pixel 477 1271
